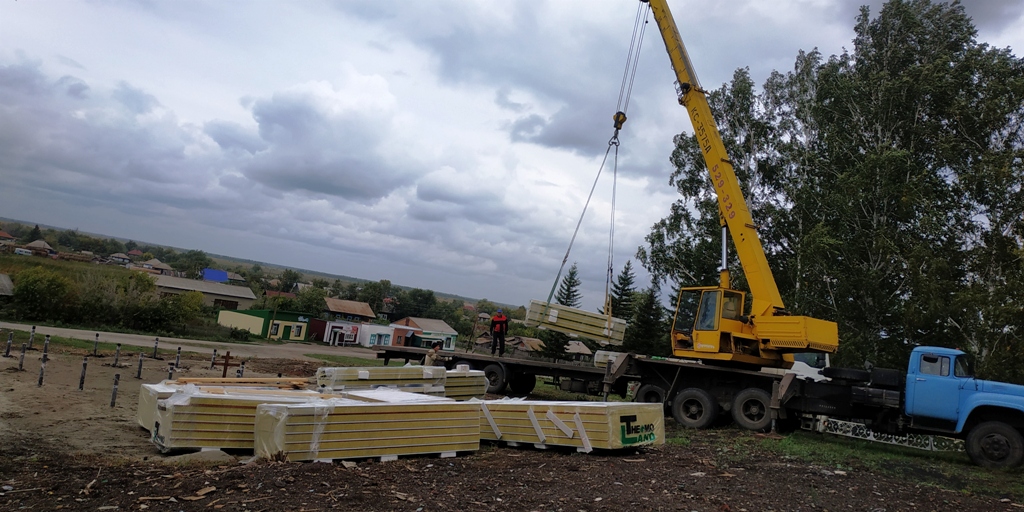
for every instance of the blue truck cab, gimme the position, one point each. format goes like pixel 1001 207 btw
pixel 942 395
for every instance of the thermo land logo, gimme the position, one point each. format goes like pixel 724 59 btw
pixel 635 433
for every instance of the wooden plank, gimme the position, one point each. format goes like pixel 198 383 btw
pixel 577 322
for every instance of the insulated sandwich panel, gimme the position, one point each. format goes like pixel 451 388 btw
pixel 465 384
pixel 151 394
pixel 344 429
pixel 417 379
pixel 213 420
pixel 573 321
pixel 583 425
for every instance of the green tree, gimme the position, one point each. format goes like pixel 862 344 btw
pixel 622 292
pixel 288 279
pixel 337 288
pixel 311 301
pixel 647 331
pixel 555 343
pixel 192 263
pixel 35 234
pixel 42 294
pixel 374 293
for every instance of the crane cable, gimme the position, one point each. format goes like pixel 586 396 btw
pixel 625 91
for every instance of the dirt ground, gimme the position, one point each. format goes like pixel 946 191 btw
pixel 65 449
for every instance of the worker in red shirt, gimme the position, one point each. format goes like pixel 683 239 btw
pixel 499 326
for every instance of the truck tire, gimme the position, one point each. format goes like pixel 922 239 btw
pixel 694 408
pixel 651 394
pixel 521 384
pixel 496 381
pixel 751 409
pixel 995 444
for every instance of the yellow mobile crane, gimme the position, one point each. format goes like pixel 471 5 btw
pixel 723 330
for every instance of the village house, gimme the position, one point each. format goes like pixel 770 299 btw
pixel 224 296
pixel 268 323
pixel 422 332
pixel 350 310
pixel 119 257
pixel 6 238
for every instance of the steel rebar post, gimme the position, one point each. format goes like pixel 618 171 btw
pixel 42 369
pixel 46 349
pixel 117 355
pixel 10 340
pixel 21 361
pixel 139 374
pixel 156 343
pixel 113 395
pixel 213 362
pixel 31 337
pixel 81 380
pixel 177 359
pixel 96 345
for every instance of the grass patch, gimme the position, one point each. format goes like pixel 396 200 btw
pixel 353 361
pixel 947 470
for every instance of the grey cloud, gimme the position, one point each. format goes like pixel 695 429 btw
pixel 136 100
pixel 74 86
pixel 230 136
pixel 311 147
pixel 22 78
pixel 501 98
pixel 67 61
pixel 994 14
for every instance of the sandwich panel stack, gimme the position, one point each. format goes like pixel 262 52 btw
pixel 197 419
pixel 417 379
pixel 151 394
pixel 347 429
pixel 465 384
pixel 584 425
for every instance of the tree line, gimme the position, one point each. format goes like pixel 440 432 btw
pixel 887 184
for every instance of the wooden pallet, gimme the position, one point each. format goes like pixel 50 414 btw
pixel 415 379
pixel 465 384
pixel 575 322
pixel 585 426
pixel 345 429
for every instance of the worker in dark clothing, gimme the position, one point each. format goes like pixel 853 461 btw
pixel 499 327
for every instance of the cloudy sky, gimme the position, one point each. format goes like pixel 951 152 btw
pixel 447 145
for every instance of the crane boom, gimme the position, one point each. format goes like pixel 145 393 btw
pixel 731 204
pixel 721 330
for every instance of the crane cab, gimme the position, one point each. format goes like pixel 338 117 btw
pixel 720 330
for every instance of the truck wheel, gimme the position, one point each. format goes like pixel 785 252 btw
pixel 521 384
pixel 651 394
pixel 750 409
pixel 495 375
pixel 694 408
pixel 995 444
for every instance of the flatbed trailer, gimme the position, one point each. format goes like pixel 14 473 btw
pixel 696 394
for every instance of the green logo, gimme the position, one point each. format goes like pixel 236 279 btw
pixel 634 433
